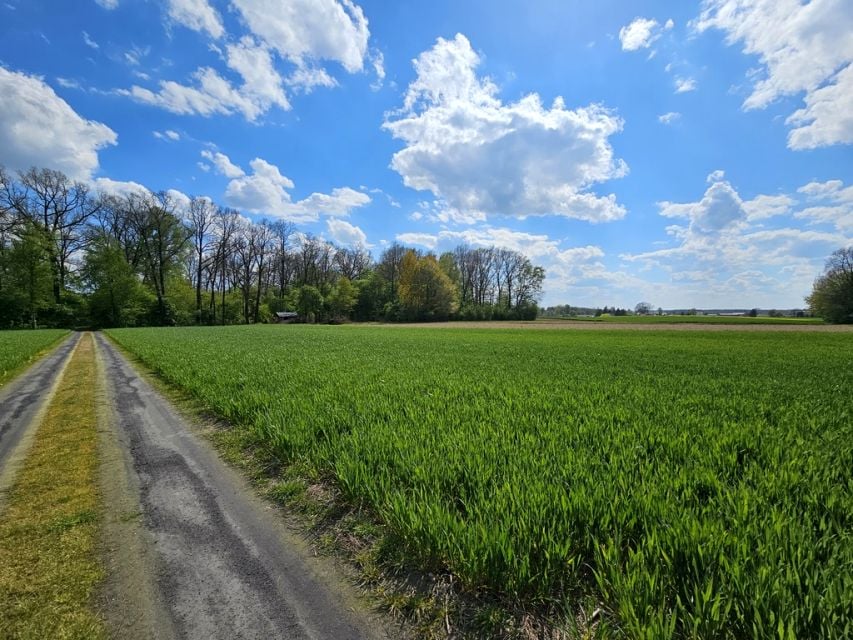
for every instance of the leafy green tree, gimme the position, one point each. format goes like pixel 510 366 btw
pixel 118 298
pixel 30 275
pixel 832 295
pixel 309 302
pixel 426 292
pixel 342 298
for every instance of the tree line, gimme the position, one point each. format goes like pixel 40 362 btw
pixel 72 257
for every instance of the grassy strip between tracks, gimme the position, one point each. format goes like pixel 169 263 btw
pixel 49 566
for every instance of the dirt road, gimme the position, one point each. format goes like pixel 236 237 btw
pixel 224 565
pixel 22 399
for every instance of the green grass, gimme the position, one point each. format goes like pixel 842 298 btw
pixel 19 348
pixel 675 319
pixel 693 485
pixel 49 566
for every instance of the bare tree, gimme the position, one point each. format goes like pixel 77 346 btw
pixel 200 219
pixel 353 262
pixel 162 237
pixel 58 206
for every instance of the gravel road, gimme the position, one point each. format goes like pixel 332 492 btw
pixel 23 397
pixel 225 566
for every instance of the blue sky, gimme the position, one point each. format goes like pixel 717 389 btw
pixel 682 153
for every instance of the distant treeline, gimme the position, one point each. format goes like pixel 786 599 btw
pixel 71 257
pixel 568 311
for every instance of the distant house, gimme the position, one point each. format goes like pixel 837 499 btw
pixel 285 317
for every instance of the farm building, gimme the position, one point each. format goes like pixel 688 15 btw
pixel 285 317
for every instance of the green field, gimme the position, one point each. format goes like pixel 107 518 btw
pixel 674 319
pixel 691 484
pixel 17 348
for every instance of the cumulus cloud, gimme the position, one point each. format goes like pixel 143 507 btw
pixel 110 187
pixel 266 191
pixel 223 164
pixel 827 117
pixel 535 246
pixel 303 34
pixel 345 233
pixel 213 94
pixel 720 207
pixel 261 82
pixel 831 204
pixel 727 252
pixel 641 33
pixel 480 156
pixel 197 15
pixel 310 29
pixel 38 128
pixel 764 206
pixel 715 176
pixel 803 48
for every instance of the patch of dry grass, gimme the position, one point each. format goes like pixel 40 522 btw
pixel 49 566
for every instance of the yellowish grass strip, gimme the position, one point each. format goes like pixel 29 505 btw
pixel 49 566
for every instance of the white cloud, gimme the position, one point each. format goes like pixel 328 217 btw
pixel 377 61
pixel 720 207
pixel 428 240
pixel 641 33
pixel 535 246
pixel 89 42
pixel 310 29
pixel 832 204
pixel 415 216
pixel 303 33
pixel 197 15
pixel 38 128
pixel 803 48
pixel 212 94
pixel 134 56
pixel 68 83
pixel 266 191
pixel 728 255
pixel 304 78
pixel 174 136
pixel 763 206
pixel 180 200
pixel 831 189
pixel 223 164
pixel 715 176
pixel 344 233
pixel 479 156
pixel 120 188
pixel 827 117
pixel 683 85
pixel 261 82
pixel 669 118
pixel 107 4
